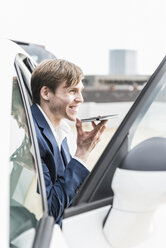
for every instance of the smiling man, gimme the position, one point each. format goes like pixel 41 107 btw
pixel 57 93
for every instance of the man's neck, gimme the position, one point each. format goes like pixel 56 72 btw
pixel 54 120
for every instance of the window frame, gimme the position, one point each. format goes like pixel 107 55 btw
pixel 45 225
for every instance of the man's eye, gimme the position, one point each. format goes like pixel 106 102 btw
pixel 73 91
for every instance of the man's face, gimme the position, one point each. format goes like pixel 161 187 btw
pixel 64 103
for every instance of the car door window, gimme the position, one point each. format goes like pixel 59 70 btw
pixel 25 200
pixel 152 118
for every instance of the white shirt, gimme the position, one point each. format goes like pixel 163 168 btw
pixel 62 131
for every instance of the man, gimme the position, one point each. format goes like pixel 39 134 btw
pixel 56 93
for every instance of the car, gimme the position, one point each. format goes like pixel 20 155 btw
pixel 121 199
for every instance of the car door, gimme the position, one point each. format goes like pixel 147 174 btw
pixel 84 221
pixel 29 223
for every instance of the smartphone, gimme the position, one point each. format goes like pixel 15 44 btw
pixel 99 118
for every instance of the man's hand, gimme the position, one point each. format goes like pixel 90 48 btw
pixel 86 141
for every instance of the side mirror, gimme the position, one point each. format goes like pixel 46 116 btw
pixel 139 187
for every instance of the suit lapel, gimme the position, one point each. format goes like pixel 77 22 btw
pixel 46 130
pixel 65 152
pixel 44 127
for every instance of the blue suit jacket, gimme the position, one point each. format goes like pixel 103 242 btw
pixel 63 175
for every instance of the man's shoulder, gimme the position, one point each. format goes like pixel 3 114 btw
pixel 38 117
pixel 34 107
pixel 35 110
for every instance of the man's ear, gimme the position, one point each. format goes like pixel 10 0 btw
pixel 44 93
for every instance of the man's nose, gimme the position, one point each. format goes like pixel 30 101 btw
pixel 79 98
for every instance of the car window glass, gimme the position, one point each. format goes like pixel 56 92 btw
pixel 151 120
pixel 25 201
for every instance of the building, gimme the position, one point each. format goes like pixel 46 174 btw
pixel 122 61
pixel 122 84
pixel 113 88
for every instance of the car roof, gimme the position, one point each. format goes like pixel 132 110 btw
pixel 36 51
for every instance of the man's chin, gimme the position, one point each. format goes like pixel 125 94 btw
pixel 72 118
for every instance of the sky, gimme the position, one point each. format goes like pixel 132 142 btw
pixel 83 31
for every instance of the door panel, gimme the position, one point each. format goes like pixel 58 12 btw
pixel 86 230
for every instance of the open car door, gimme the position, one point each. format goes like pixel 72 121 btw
pixel 129 177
